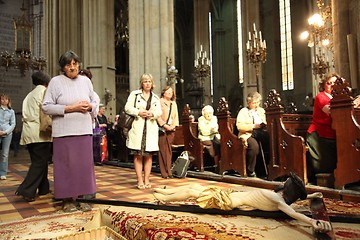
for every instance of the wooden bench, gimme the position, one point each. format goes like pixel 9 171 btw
pixel 232 149
pixel 287 148
pixel 191 141
pixel 178 143
pixel 345 121
pixel 193 144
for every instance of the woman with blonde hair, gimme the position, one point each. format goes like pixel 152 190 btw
pixel 143 136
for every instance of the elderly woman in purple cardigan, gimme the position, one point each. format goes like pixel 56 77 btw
pixel 70 100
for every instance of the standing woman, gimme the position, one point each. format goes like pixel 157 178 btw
pixel 168 121
pixel 7 125
pixel 70 100
pixel 320 137
pixel 143 136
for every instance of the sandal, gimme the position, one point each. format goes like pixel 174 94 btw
pixel 69 207
pixel 84 207
pixel 147 186
pixel 141 186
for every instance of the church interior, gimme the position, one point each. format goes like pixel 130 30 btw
pixel 211 52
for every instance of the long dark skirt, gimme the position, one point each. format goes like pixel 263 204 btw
pixel 165 153
pixel 74 173
pixel 323 153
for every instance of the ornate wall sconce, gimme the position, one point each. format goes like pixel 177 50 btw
pixel 22 58
pixel 171 73
pixel 172 76
pixel 256 52
pixel 107 96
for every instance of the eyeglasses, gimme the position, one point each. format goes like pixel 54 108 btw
pixel 330 83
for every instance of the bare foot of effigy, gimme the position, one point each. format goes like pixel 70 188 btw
pixel 161 197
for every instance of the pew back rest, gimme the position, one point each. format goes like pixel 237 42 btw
pixel 232 126
pixel 179 136
pixel 194 129
pixel 357 114
pixel 297 124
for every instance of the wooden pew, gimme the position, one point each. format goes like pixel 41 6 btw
pixel 287 149
pixel 232 149
pixel 345 121
pixel 191 142
pixel 178 144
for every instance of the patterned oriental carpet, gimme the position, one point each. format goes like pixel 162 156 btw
pixel 50 226
pixel 138 224
pixel 141 223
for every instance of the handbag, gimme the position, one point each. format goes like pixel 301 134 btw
pixel 125 120
pixel 45 122
pixel 181 165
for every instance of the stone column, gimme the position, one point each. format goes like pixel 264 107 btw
pixel 151 40
pixel 202 37
pixel 98 50
pixel 250 15
pixel 88 30
pixel 341 28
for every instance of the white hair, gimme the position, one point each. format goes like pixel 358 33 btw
pixel 208 109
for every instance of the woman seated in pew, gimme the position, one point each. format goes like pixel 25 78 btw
pixel 320 137
pixel 209 132
pixel 262 199
pixel 251 123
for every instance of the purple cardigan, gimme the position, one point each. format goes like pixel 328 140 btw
pixel 63 91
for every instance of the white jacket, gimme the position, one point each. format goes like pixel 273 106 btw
pixel 136 132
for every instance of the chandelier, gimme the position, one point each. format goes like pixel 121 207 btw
pixel 22 57
pixel 122 30
pixel 319 36
pixel 202 65
pixel 256 52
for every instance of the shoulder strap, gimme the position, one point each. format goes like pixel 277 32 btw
pixel 135 99
pixel 167 121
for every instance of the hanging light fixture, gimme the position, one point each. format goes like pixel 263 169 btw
pixel 22 57
pixel 319 36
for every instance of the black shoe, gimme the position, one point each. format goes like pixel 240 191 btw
pixel 28 199
pixel 253 174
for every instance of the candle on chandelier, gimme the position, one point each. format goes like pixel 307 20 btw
pixel 260 36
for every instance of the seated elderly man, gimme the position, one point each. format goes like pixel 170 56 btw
pixel 261 199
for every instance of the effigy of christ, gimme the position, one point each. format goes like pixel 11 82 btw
pixel 317 210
